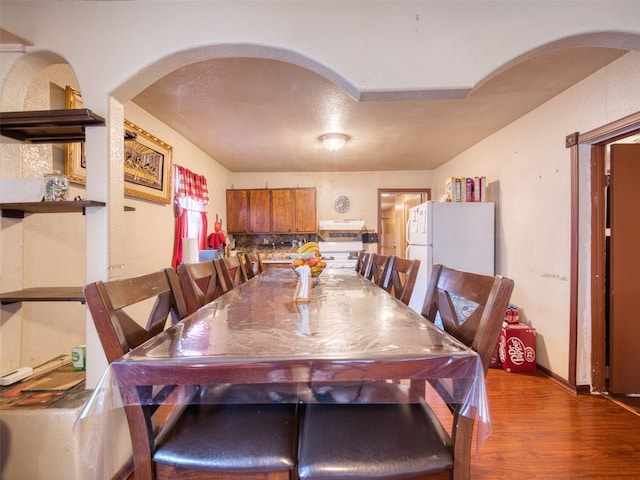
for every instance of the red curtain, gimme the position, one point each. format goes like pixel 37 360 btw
pixel 190 198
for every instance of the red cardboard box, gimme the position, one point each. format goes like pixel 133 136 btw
pixel 517 348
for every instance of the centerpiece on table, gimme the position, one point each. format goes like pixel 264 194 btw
pixel 307 263
pixel 309 254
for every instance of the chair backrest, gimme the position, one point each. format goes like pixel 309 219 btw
pixel 379 268
pixel 246 265
pixel 110 303
pixel 470 306
pixel 231 272
pixel 403 274
pixel 200 284
pixel 252 264
pixel 361 263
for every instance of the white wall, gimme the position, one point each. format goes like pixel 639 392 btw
pixel 529 169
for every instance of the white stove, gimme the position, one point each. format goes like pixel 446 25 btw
pixel 341 254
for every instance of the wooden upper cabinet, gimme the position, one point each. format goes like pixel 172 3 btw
pixel 260 211
pixel 306 216
pixel 238 211
pixel 282 213
pixel 280 210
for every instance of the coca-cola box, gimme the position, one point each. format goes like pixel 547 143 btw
pixel 517 348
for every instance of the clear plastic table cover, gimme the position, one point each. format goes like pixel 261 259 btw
pixel 350 334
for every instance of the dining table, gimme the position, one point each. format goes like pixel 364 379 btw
pixel 348 332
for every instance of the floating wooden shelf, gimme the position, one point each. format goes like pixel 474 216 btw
pixel 49 126
pixel 18 210
pixel 43 294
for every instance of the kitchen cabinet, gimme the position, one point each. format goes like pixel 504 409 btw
pixel 294 210
pixel 280 210
pixel 237 211
pixel 306 214
pixel 249 211
pixel 260 211
pixel 283 214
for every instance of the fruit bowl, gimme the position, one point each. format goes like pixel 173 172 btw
pixel 311 260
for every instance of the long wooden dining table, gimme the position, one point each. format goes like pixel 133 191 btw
pixel 350 331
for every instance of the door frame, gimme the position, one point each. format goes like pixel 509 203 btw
pixel 397 191
pixel 597 140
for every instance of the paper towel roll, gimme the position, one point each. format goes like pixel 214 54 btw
pixel 189 250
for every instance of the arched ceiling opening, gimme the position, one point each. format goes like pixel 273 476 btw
pixel 259 109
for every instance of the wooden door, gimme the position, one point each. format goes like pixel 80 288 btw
pixel 237 211
pixel 624 327
pixel 306 216
pixel 282 210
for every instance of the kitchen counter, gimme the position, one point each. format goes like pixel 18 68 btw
pixel 276 262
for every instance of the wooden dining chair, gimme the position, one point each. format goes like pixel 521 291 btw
pixel 403 274
pixel 361 263
pixel 200 284
pixel 253 264
pixel 112 303
pixel 209 433
pixel 378 269
pixel 406 440
pixel 231 272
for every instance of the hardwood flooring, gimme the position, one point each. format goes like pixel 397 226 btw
pixel 543 431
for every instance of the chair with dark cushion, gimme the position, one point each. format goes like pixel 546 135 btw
pixel 403 274
pixel 219 432
pixel 200 284
pixel 406 440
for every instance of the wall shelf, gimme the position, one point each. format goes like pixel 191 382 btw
pixel 43 294
pixel 18 210
pixel 49 126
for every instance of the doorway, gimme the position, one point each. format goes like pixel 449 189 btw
pixel 615 330
pixel 393 208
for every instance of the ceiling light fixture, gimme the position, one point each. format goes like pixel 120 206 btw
pixel 334 141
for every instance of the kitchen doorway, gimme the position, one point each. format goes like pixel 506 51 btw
pixel 393 207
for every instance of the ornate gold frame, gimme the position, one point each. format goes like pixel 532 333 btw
pixel 147 164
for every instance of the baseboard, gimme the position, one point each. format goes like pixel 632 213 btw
pixel 575 389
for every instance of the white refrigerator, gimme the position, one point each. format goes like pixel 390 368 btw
pixel 459 235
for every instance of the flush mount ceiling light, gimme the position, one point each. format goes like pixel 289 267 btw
pixel 334 141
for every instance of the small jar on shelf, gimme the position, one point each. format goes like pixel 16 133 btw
pixel 56 187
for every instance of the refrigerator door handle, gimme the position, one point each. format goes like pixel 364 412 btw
pixel 407 229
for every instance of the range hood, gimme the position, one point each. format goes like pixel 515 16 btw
pixel 344 225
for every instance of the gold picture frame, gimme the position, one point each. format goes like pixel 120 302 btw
pixel 147 164
pixel 74 157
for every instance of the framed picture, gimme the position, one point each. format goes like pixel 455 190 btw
pixel 147 160
pixel 147 165
pixel 75 166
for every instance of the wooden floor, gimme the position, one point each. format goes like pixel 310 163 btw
pixel 542 431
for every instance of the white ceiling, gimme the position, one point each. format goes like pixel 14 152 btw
pixel 260 115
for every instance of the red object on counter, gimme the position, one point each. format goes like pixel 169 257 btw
pixel 517 348
pixel 217 240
